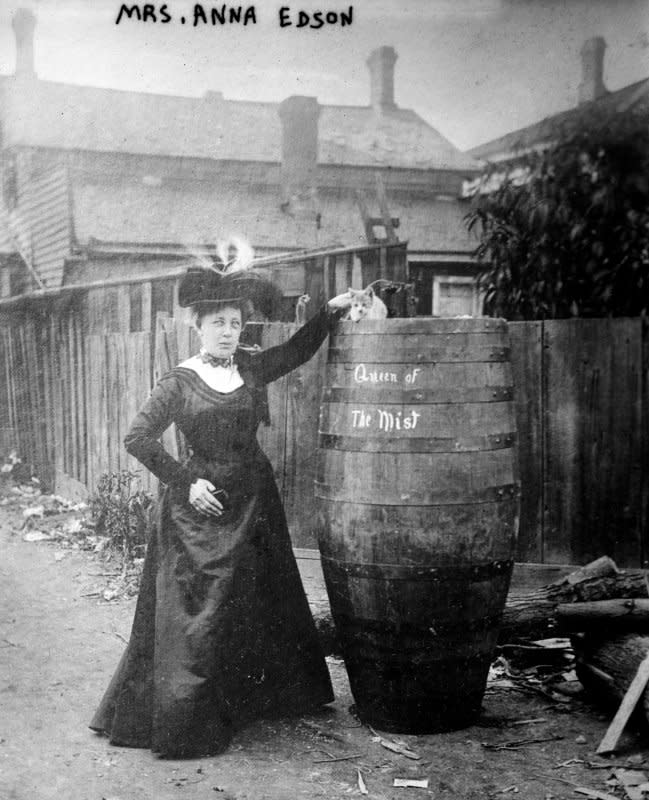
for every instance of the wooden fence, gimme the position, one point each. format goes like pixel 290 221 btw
pixel 582 399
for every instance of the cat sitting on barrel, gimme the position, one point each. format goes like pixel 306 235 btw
pixel 366 304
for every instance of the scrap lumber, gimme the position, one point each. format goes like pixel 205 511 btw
pixel 607 665
pixel 533 614
pixel 622 613
pixel 627 706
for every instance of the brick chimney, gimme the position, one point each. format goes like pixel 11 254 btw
pixel 23 23
pixel 592 70
pixel 381 63
pixel 299 118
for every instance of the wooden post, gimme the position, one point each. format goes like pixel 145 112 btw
pixel 629 702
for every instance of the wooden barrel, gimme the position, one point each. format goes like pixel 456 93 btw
pixel 418 503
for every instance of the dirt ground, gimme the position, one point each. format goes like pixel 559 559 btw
pixel 58 649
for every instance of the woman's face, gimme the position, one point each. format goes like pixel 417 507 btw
pixel 219 331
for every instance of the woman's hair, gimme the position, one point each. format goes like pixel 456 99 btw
pixel 201 310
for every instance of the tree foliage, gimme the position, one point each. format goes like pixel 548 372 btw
pixel 572 237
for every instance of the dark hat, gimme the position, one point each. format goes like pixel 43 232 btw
pixel 205 285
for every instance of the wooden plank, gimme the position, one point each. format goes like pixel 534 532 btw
pixel 58 408
pixel 349 270
pixel 304 387
pixel 644 446
pixel 314 286
pixel 123 309
pixel 39 427
pixel 146 309
pixel 592 415
pixel 329 276
pixel 526 358
pixel 165 358
pixel 8 416
pixel 629 702
pixel 80 384
pixel 27 399
pixel 72 379
pixel 115 390
pixel 383 263
pixel 45 349
pixel 137 375
pixel 97 323
pixel 97 411
pixel 341 280
pixel 398 263
pixel 63 392
pixel 273 439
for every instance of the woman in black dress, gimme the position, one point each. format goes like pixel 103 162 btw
pixel 222 632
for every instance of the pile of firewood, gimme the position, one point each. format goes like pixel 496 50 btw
pixel 605 612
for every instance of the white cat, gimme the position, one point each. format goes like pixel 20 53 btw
pixel 365 304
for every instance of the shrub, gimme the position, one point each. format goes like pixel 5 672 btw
pixel 122 512
pixel 571 238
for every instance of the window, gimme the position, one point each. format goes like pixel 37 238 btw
pixel 455 296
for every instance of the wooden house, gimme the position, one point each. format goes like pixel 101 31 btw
pixel 99 184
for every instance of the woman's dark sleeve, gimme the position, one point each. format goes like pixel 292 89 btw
pixel 153 419
pixel 271 364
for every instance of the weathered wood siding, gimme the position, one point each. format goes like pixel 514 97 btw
pixel 47 214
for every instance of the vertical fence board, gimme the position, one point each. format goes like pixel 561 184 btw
pixel 644 438
pixel 138 381
pixel 115 393
pixel 45 353
pixel 526 356
pixel 72 397
pixel 593 459
pixel 80 384
pixel 123 308
pixel 304 390
pixel 96 393
pixel 165 358
pixel 58 408
pixel 273 439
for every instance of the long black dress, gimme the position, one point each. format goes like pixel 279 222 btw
pixel 222 632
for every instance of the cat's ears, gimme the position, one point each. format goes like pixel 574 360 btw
pixel 369 291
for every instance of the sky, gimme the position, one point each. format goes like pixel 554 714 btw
pixel 473 69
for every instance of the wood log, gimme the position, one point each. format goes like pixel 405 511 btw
pixel 611 616
pixel 606 667
pixel 533 614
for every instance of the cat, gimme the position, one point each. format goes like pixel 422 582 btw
pixel 365 304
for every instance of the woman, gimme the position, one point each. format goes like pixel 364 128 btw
pixel 222 632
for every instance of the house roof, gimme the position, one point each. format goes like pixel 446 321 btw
pixel 636 95
pixel 57 115
pixel 128 210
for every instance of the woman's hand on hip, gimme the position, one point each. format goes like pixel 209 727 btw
pixel 201 498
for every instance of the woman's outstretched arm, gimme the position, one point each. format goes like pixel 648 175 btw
pixel 268 365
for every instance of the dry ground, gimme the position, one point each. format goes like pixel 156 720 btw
pixel 58 649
